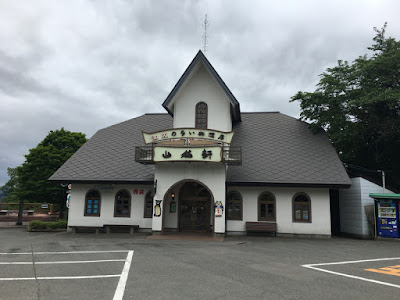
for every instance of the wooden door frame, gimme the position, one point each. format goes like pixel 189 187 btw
pixel 179 203
pixel 194 199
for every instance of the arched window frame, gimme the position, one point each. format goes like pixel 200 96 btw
pixel 201 116
pixel 267 203
pixel 304 218
pixel 148 203
pixel 90 202
pixel 230 206
pixel 126 201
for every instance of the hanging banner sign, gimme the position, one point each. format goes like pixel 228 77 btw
pixel 204 154
pixel 219 208
pixel 68 200
pixel 188 133
pixel 157 208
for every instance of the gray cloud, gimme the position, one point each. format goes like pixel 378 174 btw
pixel 85 65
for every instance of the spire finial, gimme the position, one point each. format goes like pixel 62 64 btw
pixel 205 25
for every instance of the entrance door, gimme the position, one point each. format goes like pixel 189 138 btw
pixel 195 214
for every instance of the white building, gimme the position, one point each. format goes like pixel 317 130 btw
pixel 207 167
pixel 352 203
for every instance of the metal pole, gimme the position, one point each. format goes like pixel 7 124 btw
pixel 383 181
pixel 20 211
pixel 375 225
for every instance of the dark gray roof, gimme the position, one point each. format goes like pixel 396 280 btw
pixel 277 150
pixel 200 57
pixel 110 154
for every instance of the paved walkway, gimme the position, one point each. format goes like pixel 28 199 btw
pixel 186 236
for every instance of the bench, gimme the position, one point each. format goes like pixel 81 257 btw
pixel 74 228
pixel 261 227
pixel 132 228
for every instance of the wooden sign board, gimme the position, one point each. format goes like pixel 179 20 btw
pixel 195 154
pixel 188 133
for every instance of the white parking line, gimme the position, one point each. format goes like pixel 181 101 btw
pixel 123 277
pixel 61 277
pixel 313 266
pixel 58 262
pixel 119 292
pixel 66 252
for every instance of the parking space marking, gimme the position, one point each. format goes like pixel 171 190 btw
pixel 391 270
pixel 119 292
pixel 59 262
pixel 59 277
pixel 314 267
pixel 123 277
pixel 65 252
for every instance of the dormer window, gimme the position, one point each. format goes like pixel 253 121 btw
pixel 201 115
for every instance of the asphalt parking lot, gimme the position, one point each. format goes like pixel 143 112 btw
pixel 122 266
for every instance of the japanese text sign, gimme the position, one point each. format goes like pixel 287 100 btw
pixel 188 133
pixel 204 154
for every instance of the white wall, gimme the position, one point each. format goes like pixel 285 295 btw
pixel 211 175
pixel 202 87
pixel 320 209
pixel 352 201
pixel 77 206
pixel 350 208
pixel 171 219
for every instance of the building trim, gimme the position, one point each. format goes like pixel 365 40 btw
pixel 278 184
pixel 109 181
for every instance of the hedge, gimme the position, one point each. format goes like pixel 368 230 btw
pixel 40 225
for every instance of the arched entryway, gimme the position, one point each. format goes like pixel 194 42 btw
pixel 194 206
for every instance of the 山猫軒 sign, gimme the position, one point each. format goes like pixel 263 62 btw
pixel 198 154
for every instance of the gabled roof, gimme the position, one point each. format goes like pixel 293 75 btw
pixel 200 58
pixel 280 150
pixel 109 155
pixel 277 150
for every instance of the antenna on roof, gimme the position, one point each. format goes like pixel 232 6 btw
pixel 205 25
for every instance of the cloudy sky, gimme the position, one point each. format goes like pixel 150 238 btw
pixel 85 65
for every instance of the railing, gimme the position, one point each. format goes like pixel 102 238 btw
pixel 144 155
pixel 230 155
pixel 36 207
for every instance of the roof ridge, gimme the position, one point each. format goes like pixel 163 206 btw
pixel 211 70
pixel 156 114
pixel 261 112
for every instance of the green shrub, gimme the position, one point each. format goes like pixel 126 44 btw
pixel 36 225
pixel 62 223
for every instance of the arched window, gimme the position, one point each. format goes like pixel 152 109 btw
pixel 92 203
pixel 148 206
pixel 201 115
pixel 301 208
pixel 234 206
pixel 122 204
pixel 266 207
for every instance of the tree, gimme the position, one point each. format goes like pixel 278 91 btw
pixel 358 104
pixel 9 190
pixel 31 178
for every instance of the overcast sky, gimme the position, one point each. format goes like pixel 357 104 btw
pixel 85 65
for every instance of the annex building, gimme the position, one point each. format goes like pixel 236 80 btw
pixel 205 166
